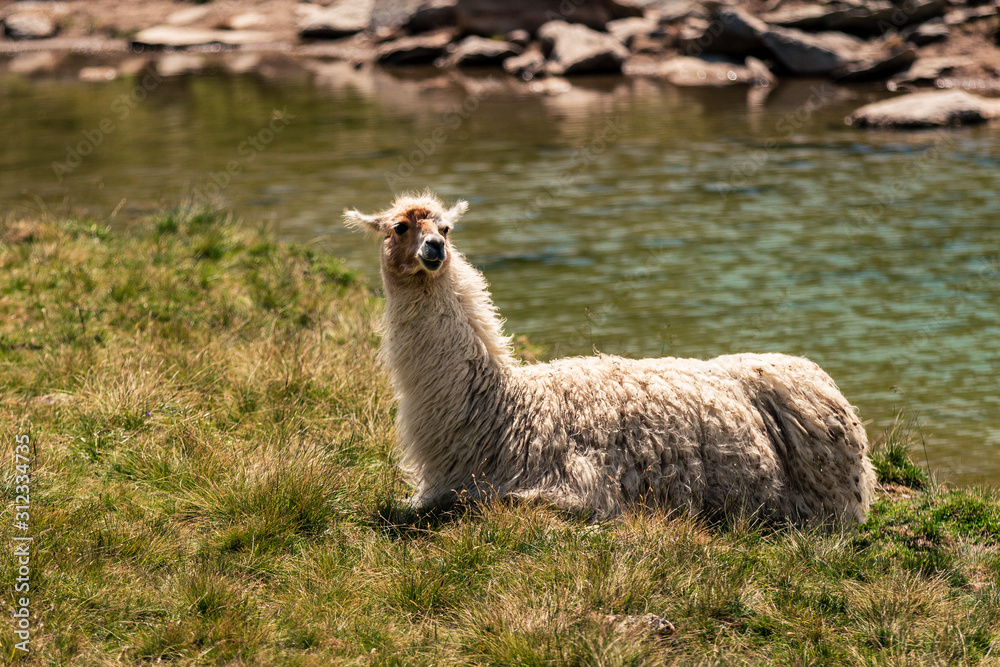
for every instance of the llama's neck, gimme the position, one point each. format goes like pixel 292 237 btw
pixel 441 322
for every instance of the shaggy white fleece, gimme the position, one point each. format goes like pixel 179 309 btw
pixel 766 433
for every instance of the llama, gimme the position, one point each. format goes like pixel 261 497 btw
pixel 767 434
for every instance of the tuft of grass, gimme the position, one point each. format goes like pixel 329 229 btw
pixel 213 482
pixel 891 454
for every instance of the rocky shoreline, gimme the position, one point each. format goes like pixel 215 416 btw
pixel 913 46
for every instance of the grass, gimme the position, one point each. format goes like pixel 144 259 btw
pixel 213 482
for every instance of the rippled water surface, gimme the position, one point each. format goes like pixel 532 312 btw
pixel 626 216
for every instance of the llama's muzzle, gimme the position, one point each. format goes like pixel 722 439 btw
pixel 432 253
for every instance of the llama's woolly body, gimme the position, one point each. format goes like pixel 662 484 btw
pixel 767 433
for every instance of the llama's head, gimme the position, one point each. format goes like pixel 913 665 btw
pixel 414 231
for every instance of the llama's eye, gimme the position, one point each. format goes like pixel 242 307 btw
pixel 400 228
pixel 445 230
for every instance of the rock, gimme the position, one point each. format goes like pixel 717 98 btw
pixel 474 51
pixel 389 16
pixel 417 49
pixel 178 37
pixel 926 33
pixel 520 37
pixel 187 16
pixel 244 21
pixel 177 64
pixel 342 19
pixel 869 18
pixel 432 15
pixel 29 24
pixel 648 624
pixel 930 109
pixel 968 14
pixel 681 10
pixel 489 17
pixel 97 74
pixel 730 31
pixel 525 66
pixel 812 53
pixel 927 71
pixel 576 49
pixel 708 71
pixel 626 30
pixel 876 61
pixel 242 63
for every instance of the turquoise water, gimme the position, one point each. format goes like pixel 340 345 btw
pixel 621 215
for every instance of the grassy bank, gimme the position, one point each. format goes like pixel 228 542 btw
pixel 211 472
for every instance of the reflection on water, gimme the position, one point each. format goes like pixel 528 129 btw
pixel 622 215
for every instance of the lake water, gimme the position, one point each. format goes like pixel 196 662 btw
pixel 620 215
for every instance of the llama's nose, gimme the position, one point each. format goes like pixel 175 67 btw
pixel 434 249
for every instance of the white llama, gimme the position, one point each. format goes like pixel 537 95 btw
pixel 765 433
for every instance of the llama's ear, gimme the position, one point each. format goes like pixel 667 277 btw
pixel 452 215
pixel 363 223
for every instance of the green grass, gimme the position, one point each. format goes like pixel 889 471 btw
pixel 213 482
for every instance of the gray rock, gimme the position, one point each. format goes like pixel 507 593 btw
pixel 926 33
pixel 705 72
pixel 576 49
pixel 345 18
pixel 626 30
pixel 474 51
pixel 29 24
pixel 432 15
pixel 729 31
pixel 869 18
pixel 930 109
pixel 417 49
pixel 519 37
pixel 489 17
pixel 876 61
pixel 180 37
pixel 927 71
pixel 525 66
pixel 812 53
pixel 969 14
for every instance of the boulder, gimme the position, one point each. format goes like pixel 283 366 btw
pixel 576 49
pixel 705 72
pixel 930 109
pixel 626 30
pixel 520 37
pixel 243 21
pixel 343 19
pixel 729 31
pixel 525 66
pixel 869 18
pixel 926 33
pixel 489 17
pixel 927 71
pixel 169 36
pixel 969 14
pixel 29 24
pixel 432 15
pixel 474 51
pixel 876 61
pixel 812 54
pixel 416 49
